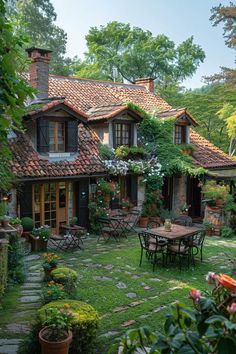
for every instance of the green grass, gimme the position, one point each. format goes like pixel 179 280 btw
pixel 174 284
pixel 105 297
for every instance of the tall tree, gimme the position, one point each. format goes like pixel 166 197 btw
pixel 227 16
pixel 137 53
pixel 37 19
pixel 13 89
pixel 228 115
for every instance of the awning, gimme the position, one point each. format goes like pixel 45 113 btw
pixel 229 174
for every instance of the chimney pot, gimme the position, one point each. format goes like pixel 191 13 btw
pixel 146 82
pixel 39 69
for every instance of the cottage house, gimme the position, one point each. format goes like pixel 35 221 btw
pixel 56 161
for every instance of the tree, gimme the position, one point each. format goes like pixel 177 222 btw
pixel 137 53
pixel 13 89
pixel 37 19
pixel 228 115
pixel 227 16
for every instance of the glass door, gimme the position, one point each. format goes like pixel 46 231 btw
pixel 50 205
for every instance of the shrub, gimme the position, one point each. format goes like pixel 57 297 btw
pixel 227 232
pixel 84 324
pixel 27 223
pixel 50 260
pixel 15 260
pixel 106 153
pixel 3 266
pixel 53 291
pixel 43 232
pixel 66 277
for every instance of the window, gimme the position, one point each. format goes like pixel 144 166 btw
pixel 56 136
pixel 122 134
pixel 180 134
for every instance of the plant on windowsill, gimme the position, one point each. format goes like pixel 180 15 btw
pixel 133 152
pixel 56 336
pixel 39 238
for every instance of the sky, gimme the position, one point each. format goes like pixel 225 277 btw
pixel 178 19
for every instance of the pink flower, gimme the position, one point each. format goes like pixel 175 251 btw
pixel 195 295
pixel 211 278
pixel 232 308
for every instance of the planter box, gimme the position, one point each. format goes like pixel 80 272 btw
pixel 37 244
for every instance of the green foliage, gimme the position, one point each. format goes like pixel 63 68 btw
pixel 214 191
pixel 227 232
pixel 157 135
pixel 96 210
pixel 137 53
pixel 228 115
pixel 133 152
pixel 53 291
pixel 84 324
pixel 66 277
pixel 105 152
pixel 3 267
pixel 15 259
pixel 50 260
pixel 15 221
pixel 27 223
pixel 43 232
pixel 73 220
pixel 3 208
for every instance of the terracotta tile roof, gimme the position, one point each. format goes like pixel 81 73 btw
pixel 208 155
pixel 27 163
pixel 176 112
pixel 84 94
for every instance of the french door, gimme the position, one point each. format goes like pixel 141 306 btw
pixel 50 204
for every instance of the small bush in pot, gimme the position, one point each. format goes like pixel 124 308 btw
pixel 27 224
pixel 50 262
pixel 53 291
pixel 65 276
pixel 56 336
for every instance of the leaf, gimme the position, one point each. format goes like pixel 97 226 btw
pixel 227 345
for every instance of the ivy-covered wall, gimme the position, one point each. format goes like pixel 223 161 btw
pixel 3 265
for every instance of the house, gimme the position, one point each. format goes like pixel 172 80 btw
pixel 56 161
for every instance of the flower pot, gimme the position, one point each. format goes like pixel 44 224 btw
pixel 48 347
pixel 143 221
pixel 37 244
pixel 219 203
pixel 107 198
pixel 209 232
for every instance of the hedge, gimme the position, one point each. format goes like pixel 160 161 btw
pixel 84 324
pixel 66 277
pixel 3 265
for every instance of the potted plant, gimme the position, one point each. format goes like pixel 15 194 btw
pixel 16 223
pixel 3 214
pixel 218 193
pixel 39 238
pixel 50 263
pixel 144 218
pixel 184 209
pixel 73 221
pixel 56 336
pixel 125 204
pixel 209 227
pixel 28 225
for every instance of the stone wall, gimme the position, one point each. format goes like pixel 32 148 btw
pixel 12 205
pixel 141 191
pixel 215 216
pixel 179 193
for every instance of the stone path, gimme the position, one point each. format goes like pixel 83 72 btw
pixel 28 303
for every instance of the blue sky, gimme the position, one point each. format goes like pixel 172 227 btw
pixel 178 19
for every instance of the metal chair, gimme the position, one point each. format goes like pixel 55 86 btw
pixel 197 244
pixel 152 245
pixel 183 220
pixel 110 227
pixel 180 249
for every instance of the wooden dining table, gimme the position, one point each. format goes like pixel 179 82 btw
pixel 177 232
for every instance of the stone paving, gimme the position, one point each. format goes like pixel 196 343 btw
pixel 28 303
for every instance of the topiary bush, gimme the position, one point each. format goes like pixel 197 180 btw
pixel 66 277
pixel 84 324
pixel 27 223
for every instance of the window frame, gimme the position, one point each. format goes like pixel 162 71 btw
pixel 180 134
pixel 56 124
pixel 130 125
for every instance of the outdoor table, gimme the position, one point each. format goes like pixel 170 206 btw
pixel 177 232
pixel 70 239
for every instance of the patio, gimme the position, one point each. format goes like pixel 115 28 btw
pixel 124 294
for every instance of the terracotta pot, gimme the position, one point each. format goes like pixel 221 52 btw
pixel 48 347
pixel 210 232
pixel 37 244
pixel 107 198
pixel 143 221
pixel 219 203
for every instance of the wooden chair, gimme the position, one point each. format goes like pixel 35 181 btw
pixel 152 246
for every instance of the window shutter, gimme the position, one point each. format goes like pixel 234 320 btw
pixel 25 200
pixel 42 135
pixel 134 189
pixel 72 136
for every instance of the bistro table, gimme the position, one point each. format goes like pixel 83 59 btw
pixel 70 238
pixel 177 232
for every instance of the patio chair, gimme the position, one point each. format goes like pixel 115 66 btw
pixel 109 227
pixel 197 244
pixel 152 245
pixel 183 220
pixel 180 249
pixel 131 220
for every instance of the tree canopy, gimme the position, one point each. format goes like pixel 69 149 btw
pixel 36 18
pixel 14 89
pixel 137 53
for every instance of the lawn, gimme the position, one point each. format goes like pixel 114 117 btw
pixel 124 294
pixel 109 273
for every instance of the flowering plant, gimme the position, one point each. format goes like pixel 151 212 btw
pixel 42 232
pixel 125 203
pixel 50 260
pixel 58 322
pixel 53 291
pixel 185 207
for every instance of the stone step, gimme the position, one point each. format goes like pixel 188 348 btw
pixel 9 346
pixel 32 257
pixel 31 292
pixel 30 298
pixel 34 279
pixel 31 286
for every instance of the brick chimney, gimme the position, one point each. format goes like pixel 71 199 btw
pixel 39 70
pixel 146 82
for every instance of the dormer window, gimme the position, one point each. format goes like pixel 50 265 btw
pixel 122 134
pixel 180 134
pixel 56 136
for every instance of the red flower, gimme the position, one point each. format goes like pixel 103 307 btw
pixel 195 295
pixel 227 282
pixel 232 308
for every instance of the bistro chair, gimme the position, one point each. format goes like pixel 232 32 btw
pixel 181 250
pixel 152 246
pixel 183 220
pixel 131 220
pixel 109 227
pixel 197 244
